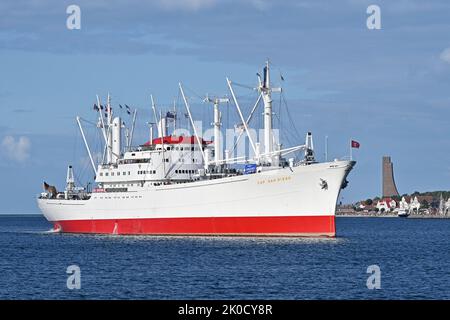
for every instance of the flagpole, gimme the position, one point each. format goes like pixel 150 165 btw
pixel 326 148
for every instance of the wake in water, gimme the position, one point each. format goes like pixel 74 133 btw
pixel 54 230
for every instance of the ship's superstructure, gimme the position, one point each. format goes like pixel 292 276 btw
pixel 185 185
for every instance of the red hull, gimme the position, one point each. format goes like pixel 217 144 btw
pixel 242 226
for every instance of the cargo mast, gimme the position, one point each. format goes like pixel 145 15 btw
pixel 217 125
pixel 266 90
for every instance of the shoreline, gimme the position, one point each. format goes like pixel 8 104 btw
pixel 390 216
pixel 21 215
pixel 339 215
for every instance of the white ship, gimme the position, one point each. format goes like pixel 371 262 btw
pixel 184 185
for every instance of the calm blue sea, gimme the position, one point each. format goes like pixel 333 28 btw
pixel 413 256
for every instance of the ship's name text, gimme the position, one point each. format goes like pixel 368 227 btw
pixel 274 180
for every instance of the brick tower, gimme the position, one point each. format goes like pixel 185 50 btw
pixel 389 188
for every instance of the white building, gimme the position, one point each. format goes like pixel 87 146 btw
pixel 386 204
pixel 414 204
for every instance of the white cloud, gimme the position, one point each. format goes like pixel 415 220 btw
pixel 17 150
pixel 445 55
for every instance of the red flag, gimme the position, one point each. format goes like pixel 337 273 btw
pixel 355 144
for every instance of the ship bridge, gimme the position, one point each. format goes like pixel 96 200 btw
pixel 172 159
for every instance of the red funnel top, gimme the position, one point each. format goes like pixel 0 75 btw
pixel 177 140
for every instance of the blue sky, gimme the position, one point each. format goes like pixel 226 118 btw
pixel 388 89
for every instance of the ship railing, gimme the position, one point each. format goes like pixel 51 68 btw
pixel 62 196
pixel 258 158
pixel 141 148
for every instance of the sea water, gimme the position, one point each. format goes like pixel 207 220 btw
pixel 411 255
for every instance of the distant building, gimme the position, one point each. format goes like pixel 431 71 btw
pixel 389 187
pixel 420 199
pixel 414 204
pixel 444 206
pixel 387 204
